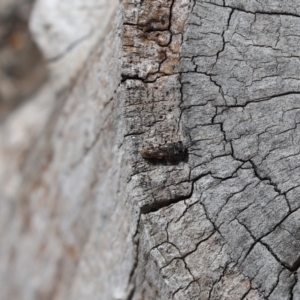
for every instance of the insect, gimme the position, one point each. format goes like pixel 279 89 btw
pixel 173 151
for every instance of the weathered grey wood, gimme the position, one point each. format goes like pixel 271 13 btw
pixel 92 219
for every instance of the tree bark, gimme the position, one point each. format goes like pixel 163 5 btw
pixel 85 216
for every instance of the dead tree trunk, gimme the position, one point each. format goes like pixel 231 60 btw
pixel 85 216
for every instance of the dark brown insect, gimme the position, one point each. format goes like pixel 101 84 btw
pixel 173 151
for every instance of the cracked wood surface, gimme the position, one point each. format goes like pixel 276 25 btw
pixel 100 222
pixel 230 231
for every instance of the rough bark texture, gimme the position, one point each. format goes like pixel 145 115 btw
pixel 84 216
